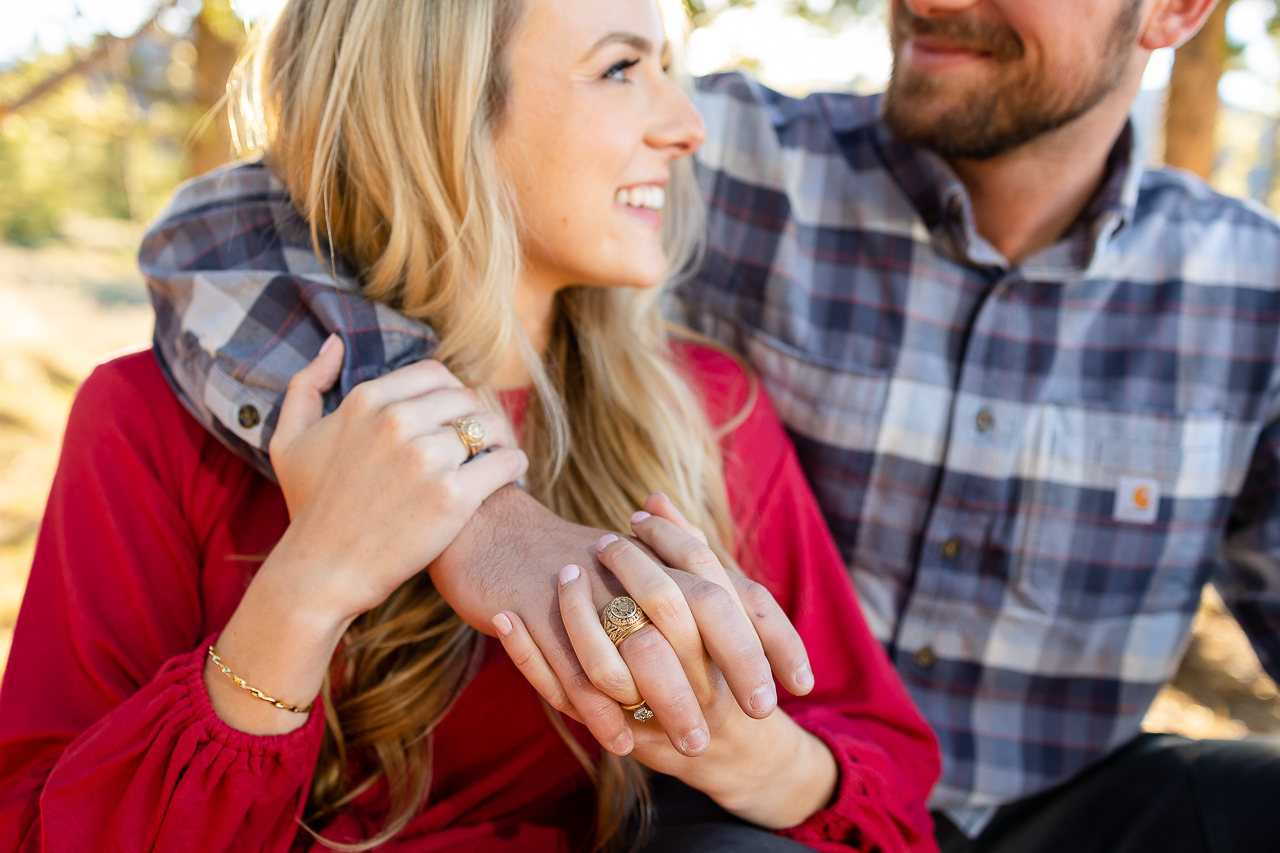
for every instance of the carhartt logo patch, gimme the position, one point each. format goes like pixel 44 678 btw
pixel 1137 500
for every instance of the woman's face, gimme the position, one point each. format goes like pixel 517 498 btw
pixel 590 130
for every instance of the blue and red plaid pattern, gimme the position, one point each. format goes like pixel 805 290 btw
pixel 1030 471
pixel 242 303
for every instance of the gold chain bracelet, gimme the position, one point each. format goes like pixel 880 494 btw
pixel 226 670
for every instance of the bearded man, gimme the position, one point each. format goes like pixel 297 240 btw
pixel 1035 386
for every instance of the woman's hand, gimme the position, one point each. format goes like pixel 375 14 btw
pixel 768 771
pixel 375 492
pixel 378 489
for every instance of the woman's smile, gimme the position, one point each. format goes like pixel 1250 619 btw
pixel 644 201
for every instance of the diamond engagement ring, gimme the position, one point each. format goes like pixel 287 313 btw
pixel 471 432
pixel 641 712
pixel 622 618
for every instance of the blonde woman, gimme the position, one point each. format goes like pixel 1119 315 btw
pixel 206 660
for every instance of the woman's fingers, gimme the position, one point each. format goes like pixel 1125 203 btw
pixel 303 403
pixel 410 381
pixel 486 474
pixel 601 714
pixel 668 663
pixel 679 544
pixel 414 416
pixel 782 645
pixel 726 632
pixel 597 654
pixel 660 505
pixel 527 657
pixel 660 598
pixel 661 680
pixel 728 635
pixel 670 537
pixel 643 667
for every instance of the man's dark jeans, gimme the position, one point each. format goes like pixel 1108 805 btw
pixel 1158 794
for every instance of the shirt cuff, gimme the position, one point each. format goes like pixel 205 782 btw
pixel 866 813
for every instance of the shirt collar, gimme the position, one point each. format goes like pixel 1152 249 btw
pixel 942 201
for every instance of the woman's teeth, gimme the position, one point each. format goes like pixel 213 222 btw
pixel 647 196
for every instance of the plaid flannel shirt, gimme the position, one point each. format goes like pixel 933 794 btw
pixel 1030 471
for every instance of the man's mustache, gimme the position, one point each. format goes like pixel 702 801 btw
pixel 964 31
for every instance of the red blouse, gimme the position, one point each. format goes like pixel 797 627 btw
pixel 108 739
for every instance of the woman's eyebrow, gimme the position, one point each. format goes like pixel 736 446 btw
pixel 635 40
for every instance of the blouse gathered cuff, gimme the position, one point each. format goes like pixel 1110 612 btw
pixel 162 771
pixel 865 814
pixel 304 738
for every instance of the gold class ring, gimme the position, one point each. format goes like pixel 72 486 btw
pixel 622 618
pixel 471 432
pixel 640 711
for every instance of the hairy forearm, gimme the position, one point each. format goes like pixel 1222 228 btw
pixel 509 555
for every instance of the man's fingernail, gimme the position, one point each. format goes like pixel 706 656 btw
pixel 502 623
pixel 622 744
pixel 804 677
pixel 696 742
pixel 605 541
pixel 764 698
pixel 639 517
pixel 328 342
pixel 569 573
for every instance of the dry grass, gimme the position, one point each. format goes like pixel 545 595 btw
pixel 65 307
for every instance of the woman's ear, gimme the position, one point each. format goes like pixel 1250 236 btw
pixel 1169 23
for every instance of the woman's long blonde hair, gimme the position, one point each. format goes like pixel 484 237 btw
pixel 379 116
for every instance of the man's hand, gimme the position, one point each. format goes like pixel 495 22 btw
pixel 509 557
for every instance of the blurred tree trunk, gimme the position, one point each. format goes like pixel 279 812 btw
pixel 217 46
pixel 1193 96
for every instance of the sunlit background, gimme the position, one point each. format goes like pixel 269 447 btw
pixel 105 105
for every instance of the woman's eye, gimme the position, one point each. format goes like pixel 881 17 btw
pixel 618 71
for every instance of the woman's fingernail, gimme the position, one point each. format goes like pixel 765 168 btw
pixel 639 517
pixel 328 342
pixel 764 699
pixel 569 574
pixel 605 541
pixel 503 624
pixel 804 677
pixel 622 744
pixel 695 743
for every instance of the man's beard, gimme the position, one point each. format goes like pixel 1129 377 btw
pixel 1019 106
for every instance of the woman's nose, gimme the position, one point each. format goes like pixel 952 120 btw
pixel 678 128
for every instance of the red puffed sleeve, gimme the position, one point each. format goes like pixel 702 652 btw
pixel 887 756
pixel 107 736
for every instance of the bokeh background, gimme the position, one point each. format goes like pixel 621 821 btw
pixel 106 105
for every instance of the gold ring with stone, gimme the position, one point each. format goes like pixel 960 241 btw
pixel 641 712
pixel 471 432
pixel 622 618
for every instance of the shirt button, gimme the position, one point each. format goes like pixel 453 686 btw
pixel 984 421
pixel 925 657
pixel 951 548
pixel 248 416
pixel 1002 292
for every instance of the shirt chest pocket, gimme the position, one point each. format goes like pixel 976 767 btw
pixel 1119 512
